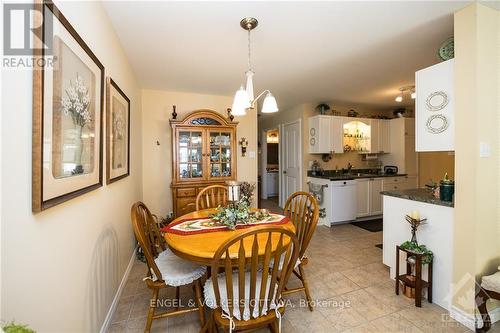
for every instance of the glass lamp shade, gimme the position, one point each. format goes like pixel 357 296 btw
pixel 413 95
pixel 399 99
pixel 269 105
pixel 241 102
pixel 249 87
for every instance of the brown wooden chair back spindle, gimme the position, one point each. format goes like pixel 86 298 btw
pixel 211 197
pixel 278 244
pixel 303 210
pixel 148 235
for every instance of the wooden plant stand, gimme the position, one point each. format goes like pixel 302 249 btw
pixel 416 283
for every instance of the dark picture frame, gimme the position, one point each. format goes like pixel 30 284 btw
pixel 113 137
pixel 54 179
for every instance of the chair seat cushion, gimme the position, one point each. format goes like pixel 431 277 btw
pixel 221 278
pixel 491 282
pixel 282 259
pixel 176 271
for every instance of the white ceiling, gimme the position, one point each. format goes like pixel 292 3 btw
pixel 351 52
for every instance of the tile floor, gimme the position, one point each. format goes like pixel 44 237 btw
pixel 347 278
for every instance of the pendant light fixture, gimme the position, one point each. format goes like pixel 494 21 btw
pixel 408 89
pixel 244 97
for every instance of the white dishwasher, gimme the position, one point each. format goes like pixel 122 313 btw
pixel 343 201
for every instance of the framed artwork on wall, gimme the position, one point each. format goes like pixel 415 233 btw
pixel 68 99
pixel 118 133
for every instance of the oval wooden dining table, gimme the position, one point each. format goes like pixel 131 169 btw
pixel 200 248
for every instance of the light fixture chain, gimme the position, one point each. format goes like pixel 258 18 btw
pixel 249 52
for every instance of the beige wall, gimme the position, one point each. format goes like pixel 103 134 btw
pixel 157 163
pixel 477 75
pixel 433 165
pixel 303 112
pixel 61 268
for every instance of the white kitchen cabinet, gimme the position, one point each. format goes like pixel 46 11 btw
pixel 326 135
pixel 399 183
pixel 375 196
pixel 320 135
pixel 337 135
pixel 384 128
pixel 375 136
pixel 434 106
pixel 369 199
pixel 363 197
pixel 402 146
pixel 380 136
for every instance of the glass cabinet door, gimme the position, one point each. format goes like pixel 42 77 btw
pixel 220 154
pixel 190 154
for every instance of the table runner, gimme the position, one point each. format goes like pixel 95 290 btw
pixel 205 225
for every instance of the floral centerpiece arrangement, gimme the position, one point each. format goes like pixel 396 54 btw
pixel 238 211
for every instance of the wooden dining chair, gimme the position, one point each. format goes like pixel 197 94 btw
pixel 249 297
pixel 164 267
pixel 211 197
pixel 303 210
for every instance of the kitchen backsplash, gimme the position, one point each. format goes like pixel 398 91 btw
pixel 341 160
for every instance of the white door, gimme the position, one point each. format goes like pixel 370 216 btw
pixel 291 159
pixel 363 197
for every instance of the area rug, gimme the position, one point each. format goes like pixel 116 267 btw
pixel 370 225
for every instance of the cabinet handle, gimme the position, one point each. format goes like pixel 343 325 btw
pixel 284 172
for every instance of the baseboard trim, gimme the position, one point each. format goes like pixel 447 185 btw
pixel 463 318
pixel 114 304
pixel 469 320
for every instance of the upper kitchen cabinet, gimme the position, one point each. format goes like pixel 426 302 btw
pixel 435 108
pixel 325 135
pixel 402 138
pixel 380 136
pixel 357 134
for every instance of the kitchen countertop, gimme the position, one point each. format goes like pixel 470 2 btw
pixel 418 194
pixel 356 176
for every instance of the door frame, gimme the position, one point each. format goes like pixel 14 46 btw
pixel 282 152
pixel 263 159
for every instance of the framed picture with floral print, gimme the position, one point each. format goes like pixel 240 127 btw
pixel 118 133
pixel 68 99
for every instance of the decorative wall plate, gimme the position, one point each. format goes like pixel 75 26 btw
pixel 437 123
pixel 312 142
pixel 447 49
pixel 436 101
pixel 312 131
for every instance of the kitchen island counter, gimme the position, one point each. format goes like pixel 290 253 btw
pixel 418 194
pixel 436 233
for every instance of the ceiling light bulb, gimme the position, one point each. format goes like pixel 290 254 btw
pixel 399 98
pixel 269 105
pixel 241 103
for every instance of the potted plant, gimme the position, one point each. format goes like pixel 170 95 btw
pixel 412 246
pixel 322 108
pixel 12 327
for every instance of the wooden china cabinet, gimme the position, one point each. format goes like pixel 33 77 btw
pixel 203 154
